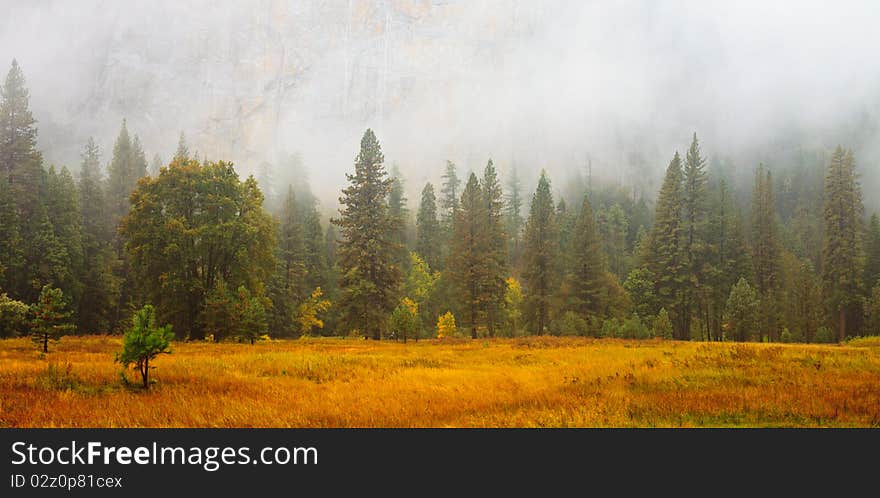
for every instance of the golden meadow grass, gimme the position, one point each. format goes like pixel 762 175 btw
pixel 530 382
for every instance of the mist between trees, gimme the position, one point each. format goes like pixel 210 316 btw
pixel 790 256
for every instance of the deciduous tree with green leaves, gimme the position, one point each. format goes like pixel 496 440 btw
pixel 194 225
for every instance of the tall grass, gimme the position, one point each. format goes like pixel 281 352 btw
pixel 529 382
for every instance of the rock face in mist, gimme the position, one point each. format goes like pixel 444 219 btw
pixel 242 79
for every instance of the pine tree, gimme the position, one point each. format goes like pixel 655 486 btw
pixel 587 276
pixel 99 285
pixel 766 252
pixel 449 195
pixel 742 310
pixel 872 253
pixel 369 277
pixel 469 262
pixel 63 209
pixel 182 152
pixel 330 242
pixel 155 165
pixel 613 226
pixel 565 221
pixel 842 258
pixel 665 259
pixel 695 250
pixel 727 258
pixel 25 190
pixel 313 244
pixel 20 161
pixel 540 256
pixel 50 317
pixel 127 165
pixel 398 210
pixel 288 287
pixel 12 262
pixel 120 181
pixel 513 216
pixel 494 285
pixel 428 229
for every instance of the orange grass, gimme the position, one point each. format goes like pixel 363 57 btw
pixel 532 382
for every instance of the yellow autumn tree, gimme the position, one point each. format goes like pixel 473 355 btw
pixel 307 315
pixel 446 325
pixel 513 298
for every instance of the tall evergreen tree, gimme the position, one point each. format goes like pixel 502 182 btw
pixel 127 166
pixel 513 216
pixel 63 209
pixel 565 221
pixel 727 258
pixel 155 165
pixel 12 262
pixel 540 256
pixel 613 226
pixel 766 253
pixel 369 277
pixel 495 284
pixel 313 244
pixel 449 195
pixel 288 288
pixel 182 152
pixel 665 259
pixel 428 229
pixel 99 284
pixel 397 209
pixel 25 191
pixel 20 161
pixel 588 272
pixel 469 262
pixel 872 253
pixel 842 257
pixel 694 296
pixel 120 181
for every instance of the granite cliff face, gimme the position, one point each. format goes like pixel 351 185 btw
pixel 555 84
pixel 251 81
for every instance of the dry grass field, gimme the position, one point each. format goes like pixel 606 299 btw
pixel 532 382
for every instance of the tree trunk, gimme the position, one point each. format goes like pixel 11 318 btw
pixel 45 343
pixel 841 332
pixel 541 320
pixel 146 373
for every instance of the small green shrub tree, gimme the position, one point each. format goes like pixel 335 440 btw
pixel 50 318
pixel 143 342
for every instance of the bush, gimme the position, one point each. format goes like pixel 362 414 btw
pixel 663 325
pixel 610 328
pixel 404 321
pixel 570 323
pixel 789 336
pixel 446 326
pixel 633 328
pixel 825 336
pixel 143 342
pixel 785 336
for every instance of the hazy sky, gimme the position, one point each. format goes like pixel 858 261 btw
pixel 547 84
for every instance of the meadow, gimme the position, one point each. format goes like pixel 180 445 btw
pixel 526 382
